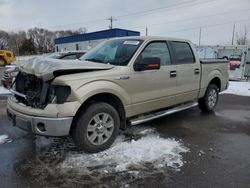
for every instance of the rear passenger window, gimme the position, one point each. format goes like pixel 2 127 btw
pixel 157 49
pixel 183 52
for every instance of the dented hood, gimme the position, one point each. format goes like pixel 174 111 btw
pixel 47 68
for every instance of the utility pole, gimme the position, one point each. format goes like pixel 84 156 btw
pixel 146 31
pixel 111 19
pixel 233 34
pixel 200 37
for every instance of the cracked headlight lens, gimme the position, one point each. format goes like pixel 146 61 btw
pixel 59 94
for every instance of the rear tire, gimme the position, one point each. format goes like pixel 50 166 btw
pixel 96 128
pixel 209 101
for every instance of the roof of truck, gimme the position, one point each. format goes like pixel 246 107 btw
pixel 154 38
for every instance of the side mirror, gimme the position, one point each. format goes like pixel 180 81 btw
pixel 149 63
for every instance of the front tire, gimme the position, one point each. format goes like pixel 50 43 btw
pixel 209 101
pixel 96 128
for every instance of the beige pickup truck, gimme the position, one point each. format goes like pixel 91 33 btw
pixel 121 82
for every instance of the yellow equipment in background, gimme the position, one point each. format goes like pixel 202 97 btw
pixel 6 57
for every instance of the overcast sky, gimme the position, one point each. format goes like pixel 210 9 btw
pixel 174 18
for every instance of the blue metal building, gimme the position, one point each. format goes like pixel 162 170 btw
pixel 89 40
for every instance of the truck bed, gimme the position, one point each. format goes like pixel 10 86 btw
pixel 217 66
pixel 213 61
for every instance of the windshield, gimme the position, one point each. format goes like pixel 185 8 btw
pixel 115 52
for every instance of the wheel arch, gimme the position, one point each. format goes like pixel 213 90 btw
pixel 216 81
pixel 213 78
pixel 108 98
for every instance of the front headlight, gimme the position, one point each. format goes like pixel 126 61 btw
pixel 59 94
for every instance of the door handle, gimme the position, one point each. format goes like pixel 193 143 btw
pixel 122 78
pixel 196 71
pixel 173 74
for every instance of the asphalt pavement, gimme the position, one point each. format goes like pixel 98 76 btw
pixel 219 156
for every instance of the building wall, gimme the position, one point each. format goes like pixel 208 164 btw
pixel 89 40
pixel 206 51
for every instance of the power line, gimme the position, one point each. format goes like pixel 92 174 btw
pixel 205 26
pixel 145 12
pixel 150 11
pixel 197 17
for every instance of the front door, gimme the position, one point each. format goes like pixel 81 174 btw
pixel 153 89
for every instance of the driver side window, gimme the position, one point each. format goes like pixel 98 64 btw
pixel 159 50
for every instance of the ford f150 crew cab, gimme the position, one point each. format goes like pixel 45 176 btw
pixel 120 82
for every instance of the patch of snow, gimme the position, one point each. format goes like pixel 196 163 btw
pixel 238 88
pixel 4 91
pixel 4 139
pixel 28 57
pixel 143 131
pixel 122 155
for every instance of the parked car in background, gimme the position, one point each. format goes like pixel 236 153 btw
pixel 6 57
pixel 234 62
pixel 123 81
pixel 67 55
pixel 11 71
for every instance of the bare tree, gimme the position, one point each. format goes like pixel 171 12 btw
pixel 241 36
pixel 4 40
pixel 16 40
pixel 37 35
pixel 81 30
pixel 64 33
pixel 42 40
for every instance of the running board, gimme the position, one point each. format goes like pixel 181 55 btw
pixel 156 115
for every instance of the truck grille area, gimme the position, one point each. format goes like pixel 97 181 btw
pixel 34 88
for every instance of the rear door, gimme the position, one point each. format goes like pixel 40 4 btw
pixel 187 70
pixel 153 89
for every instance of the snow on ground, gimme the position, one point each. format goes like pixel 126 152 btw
pixel 123 155
pixel 238 88
pixel 4 91
pixel 4 139
pixel 28 57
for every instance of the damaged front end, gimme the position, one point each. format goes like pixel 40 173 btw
pixel 41 104
pixel 38 106
pixel 37 93
pixel 34 86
